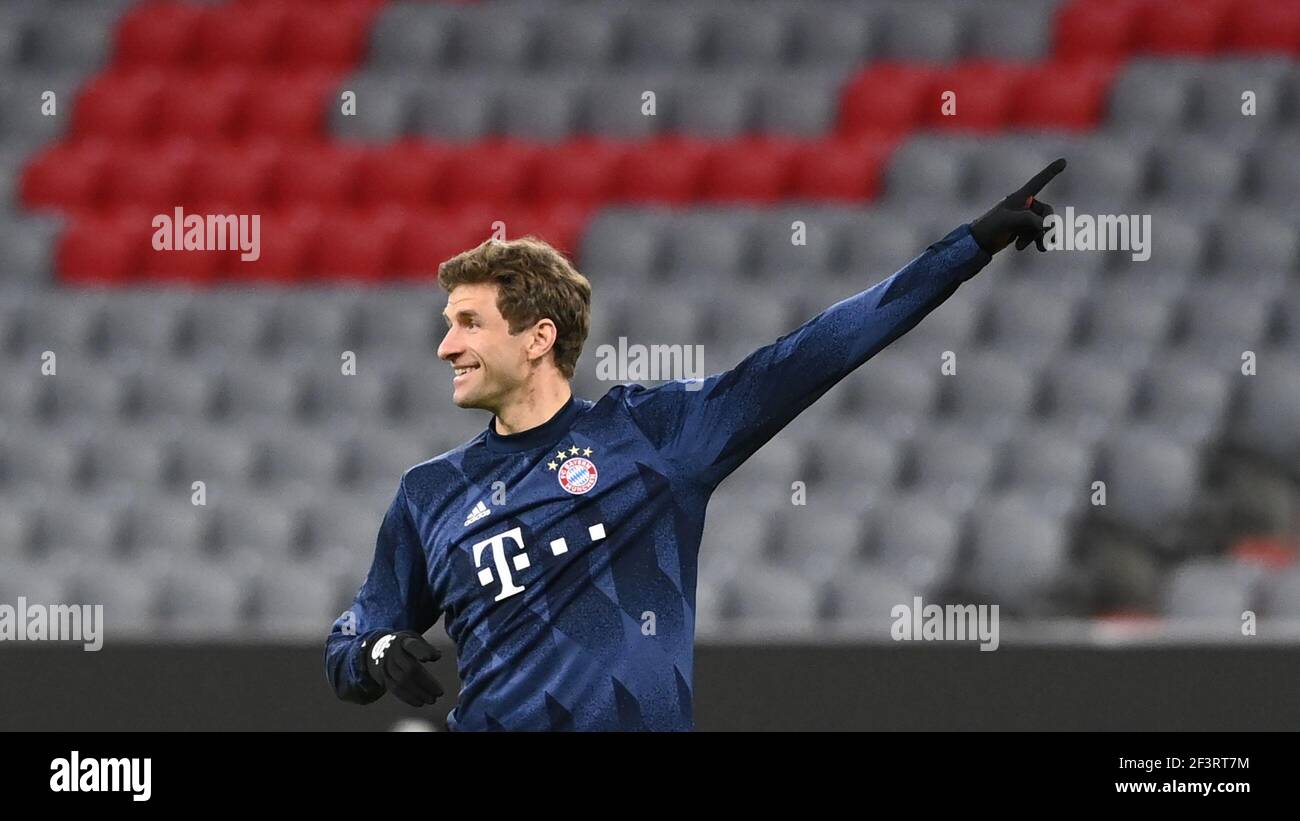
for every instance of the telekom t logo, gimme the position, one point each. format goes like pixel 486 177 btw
pixel 519 559
pixel 498 543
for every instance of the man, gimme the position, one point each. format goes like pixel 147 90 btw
pixel 550 539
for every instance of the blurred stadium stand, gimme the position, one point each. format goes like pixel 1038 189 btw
pixel 1072 367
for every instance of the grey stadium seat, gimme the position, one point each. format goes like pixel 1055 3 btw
pixel 1012 30
pixel 917 543
pixel 1198 170
pixel 878 243
pixel 926 169
pixel 756 36
pixel 924 33
pixel 988 388
pixel 1222 321
pixel 129 596
pixel 856 464
pixel 614 105
pixel 213 456
pixel 34 463
pixel 710 246
pixel 715 106
pixel 542 110
pixel 1051 468
pixel 952 466
pixel 1087 394
pixel 1221 87
pixel 625 244
pixel 249 392
pixel 893 394
pixel 1186 398
pixel 670 37
pixel 1255 244
pixel 455 110
pixel 384 108
pixel 130 459
pixel 579 36
pixel 1211 590
pixel 27 246
pixel 1020 558
pixel 202 598
pixel 780 258
pixel 83 532
pixel 1150 97
pixel 412 37
pixel 768 596
pixel 1151 480
pixel 294 600
pixel 163 527
pixel 227 324
pixel 365 395
pixel 77 35
pixel 497 39
pixel 1282 596
pixel 834 36
pixel 817 543
pixel 803 104
pixel 864 599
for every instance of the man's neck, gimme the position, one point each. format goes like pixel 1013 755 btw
pixel 534 408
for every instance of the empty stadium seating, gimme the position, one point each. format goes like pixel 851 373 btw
pixel 1071 367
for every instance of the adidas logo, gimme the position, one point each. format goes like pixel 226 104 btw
pixel 480 510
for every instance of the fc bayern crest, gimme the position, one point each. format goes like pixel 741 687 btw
pixel 577 475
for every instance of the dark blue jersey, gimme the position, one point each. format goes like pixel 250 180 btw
pixel 564 558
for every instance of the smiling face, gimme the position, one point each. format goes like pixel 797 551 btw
pixel 490 364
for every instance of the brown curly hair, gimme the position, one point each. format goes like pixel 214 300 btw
pixel 534 281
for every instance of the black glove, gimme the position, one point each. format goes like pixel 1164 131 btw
pixel 1020 216
pixel 396 660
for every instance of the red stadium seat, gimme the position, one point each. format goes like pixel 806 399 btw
pixel 247 35
pixel 148 177
pixel 321 174
pixel 327 35
pixel 846 169
pixel 97 249
pixel 750 170
pixel 1096 28
pixel 1264 26
pixel 65 176
pixel 158 34
pixel 577 171
pixel 493 171
pixel 203 106
pixel 559 224
pixel 1077 101
pixel 122 106
pixel 288 241
pixel 232 177
pixel 286 106
pixel 432 236
pixel 887 97
pixel 983 95
pixel 404 173
pixel 663 170
pixel 357 246
pixel 1182 26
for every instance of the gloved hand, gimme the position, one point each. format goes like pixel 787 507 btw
pixel 396 660
pixel 1020 216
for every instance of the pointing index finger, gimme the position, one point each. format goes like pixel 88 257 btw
pixel 1042 178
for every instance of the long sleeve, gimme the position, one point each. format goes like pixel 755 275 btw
pixel 394 596
pixel 707 430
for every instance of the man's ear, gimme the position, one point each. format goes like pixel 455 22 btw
pixel 541 339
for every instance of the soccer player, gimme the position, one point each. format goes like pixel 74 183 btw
pixel 547 539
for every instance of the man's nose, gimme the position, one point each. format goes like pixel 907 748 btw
pixel 448 348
